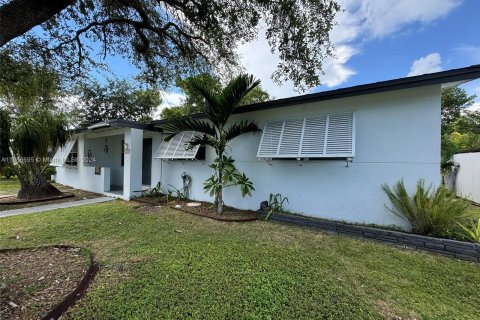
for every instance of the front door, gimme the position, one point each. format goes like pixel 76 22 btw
pixel 147 161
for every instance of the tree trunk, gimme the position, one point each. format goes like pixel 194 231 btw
pixel 33 184
pixel 220 178
pixel 20 16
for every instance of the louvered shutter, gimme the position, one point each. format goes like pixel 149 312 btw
pixel 176 148
pixel 313 143
pixel 319 136
pixel 61 154
pixel 291 137
pixel 340 134
pixel 270 139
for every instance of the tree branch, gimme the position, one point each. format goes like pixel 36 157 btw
pixel 20 16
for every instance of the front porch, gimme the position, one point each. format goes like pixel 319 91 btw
pixel 111 160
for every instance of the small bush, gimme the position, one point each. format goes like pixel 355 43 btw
pixel 49 172
pixel 472 231
pixel 8 172
pixel 430 211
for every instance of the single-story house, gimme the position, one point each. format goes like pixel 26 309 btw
pixel 328 152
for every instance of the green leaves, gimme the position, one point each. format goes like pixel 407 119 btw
pixel 473 230
pixel 430 211
pixel 230 176
pixel 116 100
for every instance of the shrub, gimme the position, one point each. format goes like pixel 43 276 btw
pixel 473 230
pixel 8 172
pixel 430 211
pixel 48 172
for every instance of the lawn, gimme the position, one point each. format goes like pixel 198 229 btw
pixel 165 264
pixel 9 186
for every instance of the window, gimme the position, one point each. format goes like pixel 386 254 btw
pixel 72 158
pixel 177 148
pixel 319 136
pixel 64 153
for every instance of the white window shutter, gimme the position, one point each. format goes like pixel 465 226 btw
pixel 291 137
pixel 61 154
pixel 177 147
pixel 319 136
pixel 270 139
pixel 340 134
pixel 313 143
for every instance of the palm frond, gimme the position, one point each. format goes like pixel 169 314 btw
pixel 240 128
pixel 233 93
pixel 203 139
pixel 178 125
pixel 212 105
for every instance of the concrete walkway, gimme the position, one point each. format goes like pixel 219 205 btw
pixel 54 206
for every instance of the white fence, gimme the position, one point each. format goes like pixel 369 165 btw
pixel 468 176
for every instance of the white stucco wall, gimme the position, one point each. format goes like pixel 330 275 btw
pixel 397 136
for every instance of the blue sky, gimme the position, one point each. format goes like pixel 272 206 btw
pixel 376 40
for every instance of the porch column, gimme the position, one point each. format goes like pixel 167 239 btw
pixel 132 169
pixel 81 152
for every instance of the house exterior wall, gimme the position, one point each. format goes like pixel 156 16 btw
pixel 397 137
pixel 467 181
pixel 82 176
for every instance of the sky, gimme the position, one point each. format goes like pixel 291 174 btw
pixel 374 40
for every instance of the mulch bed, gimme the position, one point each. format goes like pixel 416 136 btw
pixel 206 209
pixel 12 200
pixel 41 283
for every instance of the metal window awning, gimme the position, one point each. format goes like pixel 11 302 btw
pixel 62 153
pixel 178 147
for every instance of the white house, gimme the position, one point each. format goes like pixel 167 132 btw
pixel 328 152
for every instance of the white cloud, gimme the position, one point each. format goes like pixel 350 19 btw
pixel 360 22
pixel 428 64
pixel 169 99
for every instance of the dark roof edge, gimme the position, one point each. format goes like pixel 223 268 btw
pixel 467 73
pixel 119 123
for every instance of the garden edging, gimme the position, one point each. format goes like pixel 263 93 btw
pixel 82 286
pixel 452 248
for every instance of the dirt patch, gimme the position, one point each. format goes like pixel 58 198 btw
pixel 205 209
pixel 75 195
pixel 14 200
pixel 34 281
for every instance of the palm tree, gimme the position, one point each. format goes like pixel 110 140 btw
pixel 25 146
pixel 215 132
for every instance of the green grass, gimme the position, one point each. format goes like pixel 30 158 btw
pixel 9 186
pixel 166 264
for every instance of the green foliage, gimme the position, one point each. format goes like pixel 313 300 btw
pixel 30 119
pixel 116 100
pixel 170 38
pixel 243 271
pixel 229 176
pixel 194 101
pixel 473 230
pixel 48 172
pixel 454 101
pixel 429 211
pixel 275 204
pixel 460 128
pixel 215 133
